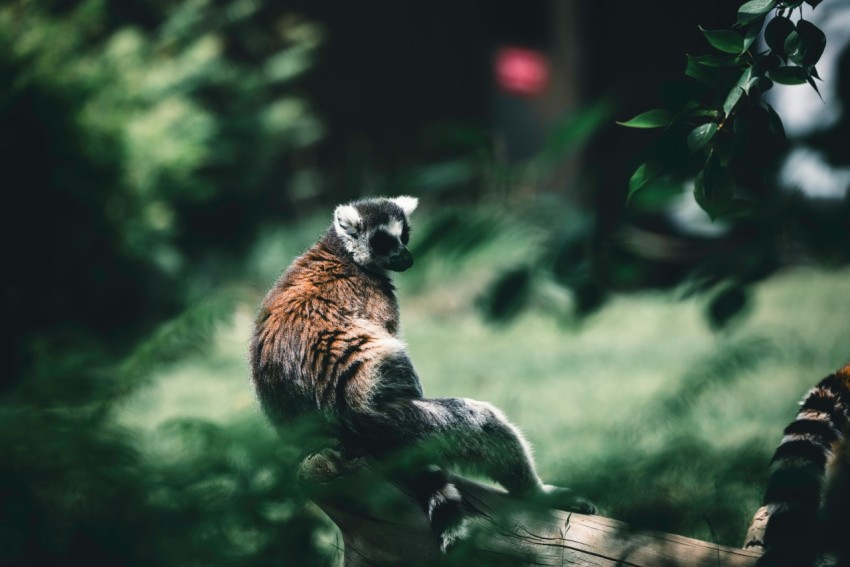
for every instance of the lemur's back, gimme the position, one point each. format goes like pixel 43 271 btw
pixel 320 330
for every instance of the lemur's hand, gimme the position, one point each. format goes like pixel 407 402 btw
pixel 566 499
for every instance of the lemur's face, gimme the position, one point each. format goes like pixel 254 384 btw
pixel 376 231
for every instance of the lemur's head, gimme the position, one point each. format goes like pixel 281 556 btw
pixel 376 231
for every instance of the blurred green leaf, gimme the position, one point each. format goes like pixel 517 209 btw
pixel 754 10
pixel 732 99
pixel 751 35
pixel 724 147
pixel 775 122
pixel 702 73
pixel 657 118
pixel 739 208
pixel 789 75
pixel 812 44
pixel 719 60
pixel 765 62
pixel 701 135
pixel 794 47
pixel 710 113
pixel 440 176
pixel 726 305
pixel 573 131
pixel 727 41
pixel 811 82
pixel 714 187
pixel 507 295
pixel 645 173
pixel 737 91
pixel 776 32
pixel 714 70
pixel 186 335
pixel 758 85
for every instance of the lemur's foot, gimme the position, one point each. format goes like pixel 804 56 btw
pixel 321 467
pixel 327 465
pixel 755 534
pixel 566 499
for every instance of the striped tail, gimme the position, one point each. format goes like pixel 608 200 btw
pixel 443 504
pixel 788 525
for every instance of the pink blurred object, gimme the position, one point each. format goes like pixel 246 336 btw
pixel 521 71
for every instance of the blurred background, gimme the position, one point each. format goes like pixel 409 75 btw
pixel 163 161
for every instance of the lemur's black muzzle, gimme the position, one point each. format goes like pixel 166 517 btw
pixel 400 261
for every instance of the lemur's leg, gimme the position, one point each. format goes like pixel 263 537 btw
pixel 464 433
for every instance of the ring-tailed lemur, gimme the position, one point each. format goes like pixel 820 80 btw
pixel 327 343
pixel 805 516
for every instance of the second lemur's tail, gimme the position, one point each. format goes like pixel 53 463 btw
pixel 442 503
pixel 789 526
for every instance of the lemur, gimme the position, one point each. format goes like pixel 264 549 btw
pixel 326 343
pixel 805 516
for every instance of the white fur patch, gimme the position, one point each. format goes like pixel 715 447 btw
pixel 408 204
pixel 448 493
pixel 346 220
pixel 815 415
pixel 348 224
pixel 382 343
pixel 387 345
pixel 453 535
pixel 394 227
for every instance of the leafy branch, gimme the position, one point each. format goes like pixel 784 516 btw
pixel 738 77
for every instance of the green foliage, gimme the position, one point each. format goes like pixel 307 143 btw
pixel 137 142
pixel 701 135
pixel 81 487
pixel 642 175
pixel 141 140
pixel 737 77
pixel 650 119
pixel 183 336
pixel 570 133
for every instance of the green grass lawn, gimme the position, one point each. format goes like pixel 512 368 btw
pixel 659 420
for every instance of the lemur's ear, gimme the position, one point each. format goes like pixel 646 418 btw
pixel 347 220
pixel 407 204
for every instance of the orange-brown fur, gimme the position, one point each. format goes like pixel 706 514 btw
pixel 332 309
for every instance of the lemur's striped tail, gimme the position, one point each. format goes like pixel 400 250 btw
pixel 443 504
pixel 794 532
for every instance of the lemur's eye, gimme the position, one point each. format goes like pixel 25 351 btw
pixel 405 235
pixel 382 243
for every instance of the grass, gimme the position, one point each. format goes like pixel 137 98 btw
pixel 659 420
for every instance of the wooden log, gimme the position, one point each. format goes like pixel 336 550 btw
pixel 381 524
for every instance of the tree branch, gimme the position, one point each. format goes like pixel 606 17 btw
pixel 381 524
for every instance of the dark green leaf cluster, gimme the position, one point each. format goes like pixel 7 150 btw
pixel 144 143
pixel 78 487
pixel 738 76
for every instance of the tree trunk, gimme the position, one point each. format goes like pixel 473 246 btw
pixel 381 524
